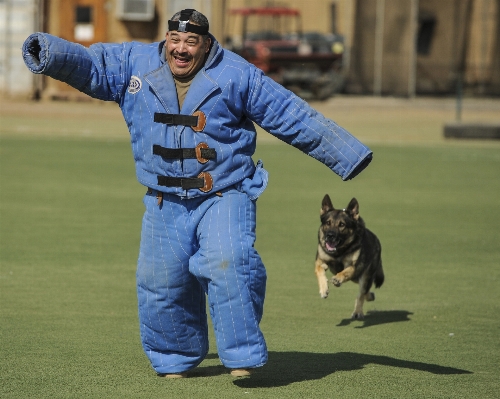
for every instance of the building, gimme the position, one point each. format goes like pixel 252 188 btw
pixel 392 47
pixel 17 20
pixel 408 47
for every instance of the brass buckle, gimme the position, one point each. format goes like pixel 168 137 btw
pixel 209 182
pixel 198 152
pixel 202 121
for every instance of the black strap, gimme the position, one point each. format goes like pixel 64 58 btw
pixel 176 119
pixel 185 183
pixel 183 153
pixel 182 26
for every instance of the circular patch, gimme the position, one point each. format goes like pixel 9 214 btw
pixel 134 85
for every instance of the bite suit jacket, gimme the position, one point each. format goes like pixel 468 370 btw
pixel 230 93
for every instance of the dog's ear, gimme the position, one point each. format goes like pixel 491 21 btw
pixel 326 205
pixel 353 209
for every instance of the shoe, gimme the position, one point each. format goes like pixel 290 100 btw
pixel 241 372
pixel 174 375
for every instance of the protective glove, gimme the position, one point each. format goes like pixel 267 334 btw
pixel 34 53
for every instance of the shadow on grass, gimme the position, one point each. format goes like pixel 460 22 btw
pixel 374 318
pixel 285 368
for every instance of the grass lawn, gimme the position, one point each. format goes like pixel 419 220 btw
pixel 70 217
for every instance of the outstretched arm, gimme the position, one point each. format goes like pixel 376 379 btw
pixel 289 118
pixel 97 71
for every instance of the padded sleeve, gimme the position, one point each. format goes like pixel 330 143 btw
pixel 292 120
pixel 99 71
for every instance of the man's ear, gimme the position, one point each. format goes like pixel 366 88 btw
pixel 208 43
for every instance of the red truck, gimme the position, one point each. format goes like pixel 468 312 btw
pixel 309 64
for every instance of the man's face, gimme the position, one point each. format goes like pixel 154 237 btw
pixel 185 52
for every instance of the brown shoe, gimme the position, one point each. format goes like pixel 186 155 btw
pixel 241 372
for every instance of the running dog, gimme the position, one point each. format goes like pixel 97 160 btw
pixel 349 250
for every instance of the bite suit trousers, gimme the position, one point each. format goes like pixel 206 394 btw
pixel 193 249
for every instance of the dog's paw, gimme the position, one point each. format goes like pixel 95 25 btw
pixel 336 282
pixel 357 316
pixel 370 296
pixel 324 294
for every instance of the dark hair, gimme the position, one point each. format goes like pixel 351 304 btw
pixel 196 17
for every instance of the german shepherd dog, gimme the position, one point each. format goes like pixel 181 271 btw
pixel 349 250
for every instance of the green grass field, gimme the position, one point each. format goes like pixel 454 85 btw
pixel 70 217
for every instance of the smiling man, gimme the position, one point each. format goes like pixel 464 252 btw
pixel 186 51
pixel 190 107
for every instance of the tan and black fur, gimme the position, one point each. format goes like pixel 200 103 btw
pixel 349 250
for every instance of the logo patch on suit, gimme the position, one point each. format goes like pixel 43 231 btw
pixel 134 85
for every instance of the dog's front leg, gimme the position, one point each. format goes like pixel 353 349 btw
pixel 320 270
pixel 343 276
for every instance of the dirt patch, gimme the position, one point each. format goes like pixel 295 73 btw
pixel 388 120
pixel 96 119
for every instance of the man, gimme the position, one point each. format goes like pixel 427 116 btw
pixel 189 106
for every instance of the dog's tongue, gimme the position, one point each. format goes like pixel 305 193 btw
pixel 330 247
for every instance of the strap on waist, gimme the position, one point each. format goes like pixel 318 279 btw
pixel 204 182
pixel 185 183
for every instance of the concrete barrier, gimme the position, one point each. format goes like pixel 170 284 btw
pixel 472 131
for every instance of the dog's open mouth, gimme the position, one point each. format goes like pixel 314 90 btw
pixel 331 246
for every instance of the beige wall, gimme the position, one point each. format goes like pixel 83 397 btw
pixel 437 71
pixel 390 61
pixel 484 45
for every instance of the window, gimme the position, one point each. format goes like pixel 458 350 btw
pixel 426 28
pixel 83 15
pixel 84 24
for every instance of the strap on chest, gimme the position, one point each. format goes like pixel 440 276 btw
pixel 197 121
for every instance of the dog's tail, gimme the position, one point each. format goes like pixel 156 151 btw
pixel 379 277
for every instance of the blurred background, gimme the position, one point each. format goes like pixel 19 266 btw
pixel 317 48
pixel 393 73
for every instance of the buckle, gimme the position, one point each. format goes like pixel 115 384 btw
pixel 204 182
pixel 182 26
pixel 198 152
pixel 209 182
pixel 202 121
